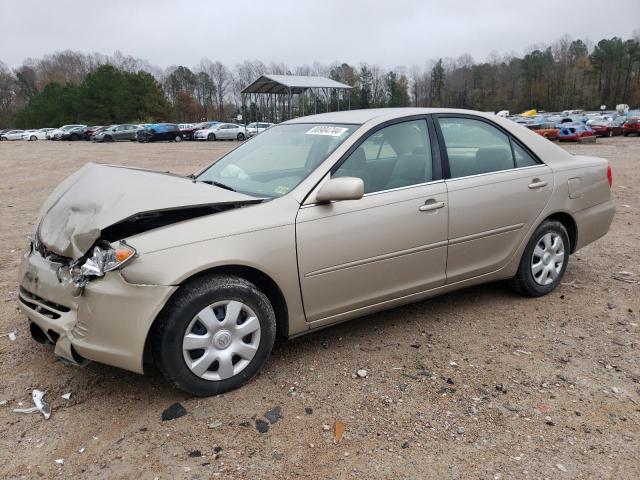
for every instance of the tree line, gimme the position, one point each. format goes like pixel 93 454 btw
pixel 71 87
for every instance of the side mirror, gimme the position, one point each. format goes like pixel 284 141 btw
pixel 341 188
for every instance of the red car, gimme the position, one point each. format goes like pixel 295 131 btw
pixel 606 129
pixel 187 133
pixel 573 132
pixel 632 125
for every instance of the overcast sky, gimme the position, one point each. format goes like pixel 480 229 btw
pixel 386 32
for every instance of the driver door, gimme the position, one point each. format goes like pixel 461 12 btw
pixel 389 244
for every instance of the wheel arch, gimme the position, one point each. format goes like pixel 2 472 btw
pixel 570 225
pixel 260 279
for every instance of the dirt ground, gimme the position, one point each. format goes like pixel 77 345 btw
pixel 480 383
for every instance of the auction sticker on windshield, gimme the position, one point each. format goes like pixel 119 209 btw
pixel 327 130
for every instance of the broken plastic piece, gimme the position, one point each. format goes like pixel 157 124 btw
pixel 67 396
pixel 40 405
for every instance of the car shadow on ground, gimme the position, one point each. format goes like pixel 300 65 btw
pixel 370 329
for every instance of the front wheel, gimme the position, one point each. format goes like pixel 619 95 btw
pixel 178 138
pixel 33 138
pixel 544 260
pixel 211 137
pixel 241 137
pixel 215 335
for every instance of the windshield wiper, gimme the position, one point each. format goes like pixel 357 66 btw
pixel 218 184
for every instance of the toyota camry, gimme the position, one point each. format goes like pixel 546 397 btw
pixel 315 221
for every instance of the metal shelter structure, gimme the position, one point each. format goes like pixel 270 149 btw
pixel 281 97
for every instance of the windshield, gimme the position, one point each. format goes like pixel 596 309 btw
pixel 276 161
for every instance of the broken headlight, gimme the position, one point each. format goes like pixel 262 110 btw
pixel 104 258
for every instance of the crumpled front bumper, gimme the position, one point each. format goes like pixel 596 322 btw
pixel 108 323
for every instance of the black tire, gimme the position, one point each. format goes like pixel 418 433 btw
pixel 524 281
pixel 108 138
pixel 240 137
pixel 169 330
pixel 211 137
pixel 33 138
pixel 74 137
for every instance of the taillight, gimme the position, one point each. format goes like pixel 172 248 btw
pixel 609 175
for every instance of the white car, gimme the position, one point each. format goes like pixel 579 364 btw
pixel 222 131
pixel 56 133
pixel 12 135
pixel 257 127
pixel 33 135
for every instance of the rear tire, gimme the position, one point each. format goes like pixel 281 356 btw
pixel 211 299
pixel 544 261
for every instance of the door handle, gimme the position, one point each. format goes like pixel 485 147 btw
pixel 537 183
pixel 431 205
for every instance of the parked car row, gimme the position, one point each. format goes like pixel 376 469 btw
pixel 574 125
pixel 148 132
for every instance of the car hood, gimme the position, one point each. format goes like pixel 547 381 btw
pixel 113 202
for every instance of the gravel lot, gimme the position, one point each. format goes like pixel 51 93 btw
pixel 481 383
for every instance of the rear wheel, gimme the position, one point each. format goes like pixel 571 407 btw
pixel 74 137
pixel 544 260
pixel 215 335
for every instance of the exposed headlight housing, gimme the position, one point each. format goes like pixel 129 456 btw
pixel 104 258
pixel 107 259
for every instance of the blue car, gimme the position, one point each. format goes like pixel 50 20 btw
pixel 573 132
pixel 158 132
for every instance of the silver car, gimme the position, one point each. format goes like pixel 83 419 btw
pixel 222 131
pixel 117 133
pixel 255 128
pixel 316 221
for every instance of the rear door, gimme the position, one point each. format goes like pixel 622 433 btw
pixel 389 244
pixel 497 189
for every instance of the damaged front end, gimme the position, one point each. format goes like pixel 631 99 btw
pixel 71 287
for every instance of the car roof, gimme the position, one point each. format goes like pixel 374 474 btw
pixel 360 117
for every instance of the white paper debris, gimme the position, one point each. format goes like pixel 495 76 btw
pixel 67 396
pixel 60 461
pixel 81 450
pixel 12 336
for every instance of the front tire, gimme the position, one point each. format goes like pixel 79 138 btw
pixel 33 138
pixel 215 335
pixel 241 137
pixel 544 260
pixel 211 137
pixel 178 138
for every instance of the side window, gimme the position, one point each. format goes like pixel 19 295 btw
pixel 523 159
pixel 475 147
pixel 396 156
